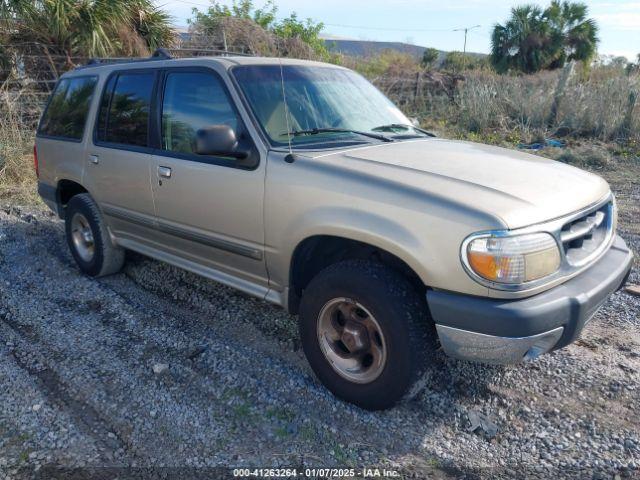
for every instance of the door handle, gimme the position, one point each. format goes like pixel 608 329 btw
pixel 94 159
pixel 164 172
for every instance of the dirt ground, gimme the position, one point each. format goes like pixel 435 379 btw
pixel 155 371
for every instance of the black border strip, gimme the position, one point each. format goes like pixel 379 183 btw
pixel 129 217
pixel 220 244
pixel 207 240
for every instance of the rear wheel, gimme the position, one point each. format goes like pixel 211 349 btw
pixel 365 332
pixel 89 240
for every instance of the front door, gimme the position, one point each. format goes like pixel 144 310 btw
pixel 208 209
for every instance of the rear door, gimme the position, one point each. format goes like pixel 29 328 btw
pixel 119 158
pixel 209 209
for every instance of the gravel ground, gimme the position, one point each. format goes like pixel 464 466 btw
pixel 156 368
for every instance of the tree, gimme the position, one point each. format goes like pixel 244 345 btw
pixel 64 29
pixel 634 67
pixel 576 34
pixel 619 63
pixel 429 57
pixel 390 63
pixel 458 61
pixel 534 39
pixel 209 23
pixel 265 16
pixel 308 31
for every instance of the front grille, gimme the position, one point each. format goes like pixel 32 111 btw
pixel 583 237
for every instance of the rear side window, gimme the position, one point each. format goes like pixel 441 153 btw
pixel 67 111
pixel 191 101
pixel 124 111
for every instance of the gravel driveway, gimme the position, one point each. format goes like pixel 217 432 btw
pixel 156 368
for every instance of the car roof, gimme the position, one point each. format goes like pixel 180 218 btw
pixel 227 62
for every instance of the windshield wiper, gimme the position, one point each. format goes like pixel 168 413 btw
pixel 392 126
pixel 316 131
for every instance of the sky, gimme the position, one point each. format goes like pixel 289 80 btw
pixel 431 23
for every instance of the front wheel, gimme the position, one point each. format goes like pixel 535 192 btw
pixel 365 333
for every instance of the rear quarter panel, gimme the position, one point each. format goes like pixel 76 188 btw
pixel 62 159
pixel 59 159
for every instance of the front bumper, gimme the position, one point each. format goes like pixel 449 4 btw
pixel 510 331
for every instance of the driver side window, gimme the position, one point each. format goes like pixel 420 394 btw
pixel 191 101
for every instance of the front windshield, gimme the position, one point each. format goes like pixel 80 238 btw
pixel 317 98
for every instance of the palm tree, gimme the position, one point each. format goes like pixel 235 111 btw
pixel 577 34
pixel 523 42
pixel 534 39
pixel 60 30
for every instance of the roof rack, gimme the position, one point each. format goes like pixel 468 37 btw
pixel 215 52
pixel 159 54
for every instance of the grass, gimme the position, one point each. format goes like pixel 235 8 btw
pixel 281 433
pixel 592 158
pixel 308 433
pixel 242 411
pixel 343 454
pixel 17 175
pixel 283 414
pixel 599 104
pixel 24 456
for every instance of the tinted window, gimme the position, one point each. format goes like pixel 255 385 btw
pixel 124 114
pixel 67 111
pixel 192 101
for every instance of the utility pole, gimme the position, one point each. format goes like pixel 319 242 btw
pixel 464 51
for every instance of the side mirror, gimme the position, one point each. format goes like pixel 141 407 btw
pixel 218 140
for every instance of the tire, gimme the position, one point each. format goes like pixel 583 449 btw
pixel 407 339
pixel 89 240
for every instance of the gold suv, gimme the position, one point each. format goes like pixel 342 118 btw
pixel 301 184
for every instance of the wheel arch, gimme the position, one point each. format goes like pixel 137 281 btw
pixel 65 190
pixel 316 252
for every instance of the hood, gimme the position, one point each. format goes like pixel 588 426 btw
pixel 519 188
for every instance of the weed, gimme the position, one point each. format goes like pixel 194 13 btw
pixel 497 108
pixel 242 410
pixel 344 455
pixel 233 392
pixel 281 413
pixel 591 157
pixel 17 176
pixel 24 456
pixel 433 462
pixel 307 433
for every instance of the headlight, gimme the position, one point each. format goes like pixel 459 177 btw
pixel 512 259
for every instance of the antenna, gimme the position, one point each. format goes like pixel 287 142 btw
pixel 286 107
pixel 464 51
